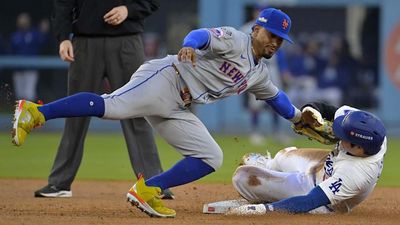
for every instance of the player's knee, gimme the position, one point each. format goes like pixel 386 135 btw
pixel 238 180
pixel 241 176
pixel 238 176
pixel 219 158
pixel 245 183
pixel 216 159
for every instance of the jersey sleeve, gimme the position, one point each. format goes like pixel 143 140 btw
pixel 327 111
pixel 343 184
pixel 264 88
pixel 225 41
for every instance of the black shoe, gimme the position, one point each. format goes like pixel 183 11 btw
pixel 167 194
pixel 52 191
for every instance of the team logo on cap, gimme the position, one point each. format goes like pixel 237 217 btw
pixel 285 24
pixel 262 19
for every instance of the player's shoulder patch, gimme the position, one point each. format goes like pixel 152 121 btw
pixel 217 32
pixel 221 32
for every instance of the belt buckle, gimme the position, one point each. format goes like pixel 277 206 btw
pixel 185 93
pixel 186 97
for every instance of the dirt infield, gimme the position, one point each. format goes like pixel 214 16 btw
pixel 102 202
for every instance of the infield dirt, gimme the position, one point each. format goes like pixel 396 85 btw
pixel 104 202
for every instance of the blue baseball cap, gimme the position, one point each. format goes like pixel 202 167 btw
pixel 361 128
pixel 276 22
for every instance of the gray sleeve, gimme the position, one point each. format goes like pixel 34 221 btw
pixel 225 41
pixel 264 88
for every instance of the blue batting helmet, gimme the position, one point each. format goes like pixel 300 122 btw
pixel 361 128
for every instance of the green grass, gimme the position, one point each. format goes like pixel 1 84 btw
pixel 106 157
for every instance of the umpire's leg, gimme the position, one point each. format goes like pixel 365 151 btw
pixel 124 55
pixel 84 74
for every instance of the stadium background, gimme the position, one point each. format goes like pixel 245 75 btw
pixel 105 155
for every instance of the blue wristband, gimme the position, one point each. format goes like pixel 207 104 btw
pixel 282 105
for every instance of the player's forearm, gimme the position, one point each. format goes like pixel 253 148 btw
pixel 301 204
pixel 282 105
pixel 197 39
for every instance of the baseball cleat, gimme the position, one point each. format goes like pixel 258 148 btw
pixel 248 210
pixel 26 117
pixel 148 199
pixel 51 191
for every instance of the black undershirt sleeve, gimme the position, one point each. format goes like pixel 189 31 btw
pixel 327 111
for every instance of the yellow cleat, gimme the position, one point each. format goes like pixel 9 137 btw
pixel 148 199
pixel 26 117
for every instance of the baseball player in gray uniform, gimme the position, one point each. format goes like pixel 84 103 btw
pixel 314 180
pixel 213 64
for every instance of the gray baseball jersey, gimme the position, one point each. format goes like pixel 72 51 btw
pixel 225 67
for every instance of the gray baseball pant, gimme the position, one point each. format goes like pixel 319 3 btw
pixel 154 92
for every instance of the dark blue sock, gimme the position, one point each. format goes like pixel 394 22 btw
pixel 185 171
pixel 77 105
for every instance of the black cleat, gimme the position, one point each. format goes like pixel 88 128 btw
pixel 51 191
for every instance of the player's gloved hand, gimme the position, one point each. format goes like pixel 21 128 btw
pixel 187 54
pixel 315 127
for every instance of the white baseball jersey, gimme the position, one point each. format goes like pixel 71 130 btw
pixel 226 67
pixel 347 179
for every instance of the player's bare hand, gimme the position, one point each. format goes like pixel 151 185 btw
pixel 187 54
pixel 116 16
pixel 66 51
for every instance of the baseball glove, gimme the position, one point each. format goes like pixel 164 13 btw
pixel 313 126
